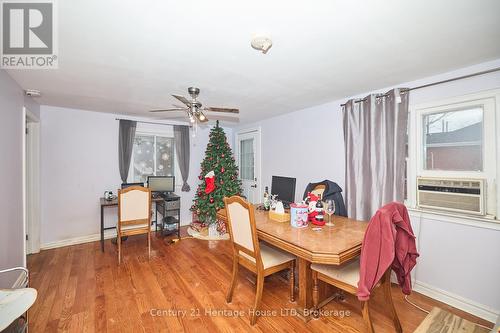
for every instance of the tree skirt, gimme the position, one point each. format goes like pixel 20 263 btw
pixel 203 234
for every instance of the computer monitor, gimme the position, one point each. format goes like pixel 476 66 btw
pixel 284 187
pixel 161 183
pixel 125 185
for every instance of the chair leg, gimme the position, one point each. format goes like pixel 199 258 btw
pixel 292 281
pixel 229 296
pixel 149 245
pixel 366 316
pixel 119 243
pixel 315 294
pixel 386 285
pixel 258 297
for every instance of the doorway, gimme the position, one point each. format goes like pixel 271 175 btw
pixel 31 182
pixel 248 154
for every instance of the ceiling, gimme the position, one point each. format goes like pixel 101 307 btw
pixel 128 56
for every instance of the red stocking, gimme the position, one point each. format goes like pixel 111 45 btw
pixel 209 182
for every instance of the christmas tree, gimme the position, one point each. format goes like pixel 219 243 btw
pixel 218 176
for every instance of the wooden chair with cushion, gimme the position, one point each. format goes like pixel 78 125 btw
pixel 346 277
pixel 257 257
pixel 134 214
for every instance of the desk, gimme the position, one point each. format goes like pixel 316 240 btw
pixel 332 245
pixel 114 203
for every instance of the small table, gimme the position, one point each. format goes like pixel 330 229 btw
pixel 114 203
pixel 332 245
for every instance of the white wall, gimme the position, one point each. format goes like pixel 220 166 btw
pixel 79 152
pixel 12 100
pixel 459 263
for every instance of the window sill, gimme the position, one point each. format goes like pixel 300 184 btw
pixel 449 217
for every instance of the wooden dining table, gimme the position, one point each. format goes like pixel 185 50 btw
pixel 334 245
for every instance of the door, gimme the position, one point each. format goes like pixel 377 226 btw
pixel 248 155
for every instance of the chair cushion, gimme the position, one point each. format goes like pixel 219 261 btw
pixel 270 256
pixel 347 273
pixel 134 226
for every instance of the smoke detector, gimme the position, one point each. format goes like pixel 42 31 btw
pixel 262 43
pixel 33 93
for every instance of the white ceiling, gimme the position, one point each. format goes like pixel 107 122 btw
pixel 129 56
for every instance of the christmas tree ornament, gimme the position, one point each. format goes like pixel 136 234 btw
pixel 211 200
pixel 222 170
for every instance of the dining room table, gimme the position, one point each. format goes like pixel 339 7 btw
pixel 333 245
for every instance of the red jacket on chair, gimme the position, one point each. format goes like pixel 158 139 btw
pixel 389 242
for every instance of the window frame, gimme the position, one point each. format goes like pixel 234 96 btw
pixel 490 102
pixel 166 131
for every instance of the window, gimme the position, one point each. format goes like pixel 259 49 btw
pixel 153 155
pixel 247 159
pixel 455 138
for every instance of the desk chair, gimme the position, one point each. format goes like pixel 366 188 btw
pixel 134 217
pixel 257 257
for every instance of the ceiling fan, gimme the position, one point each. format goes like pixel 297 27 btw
pixel 194 110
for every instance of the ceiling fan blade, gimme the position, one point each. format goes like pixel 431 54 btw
pixel 183 99
pixel 226 110
pixel 225 118
pixel 167 110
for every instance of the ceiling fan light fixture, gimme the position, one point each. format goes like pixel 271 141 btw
pixel 201 116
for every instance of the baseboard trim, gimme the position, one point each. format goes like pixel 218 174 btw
pixel 83 239
pixel 459 302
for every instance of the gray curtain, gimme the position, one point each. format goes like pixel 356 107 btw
pixel 181 136
pixel 375 133
pixel 126 136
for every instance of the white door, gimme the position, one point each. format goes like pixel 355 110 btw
pixel 248 155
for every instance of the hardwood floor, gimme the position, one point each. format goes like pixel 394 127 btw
pixel 181 289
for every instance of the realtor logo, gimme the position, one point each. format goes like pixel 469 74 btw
pixel 28 34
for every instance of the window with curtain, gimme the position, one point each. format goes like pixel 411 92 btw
pixel 153 155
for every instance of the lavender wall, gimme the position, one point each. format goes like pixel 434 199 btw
pixel 12 100
pixel 79 153
pixel 308 144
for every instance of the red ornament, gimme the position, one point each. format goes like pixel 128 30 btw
pixel 222 155
pixel 200 177
pixel 199 193
pixel 222 170
pixel 222 182
pixel 211 200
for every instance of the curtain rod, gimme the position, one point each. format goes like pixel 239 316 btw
pixel 147 122
pixel 405 90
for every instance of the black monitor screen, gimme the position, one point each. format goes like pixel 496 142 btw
pixel 161 184
pixel 284 187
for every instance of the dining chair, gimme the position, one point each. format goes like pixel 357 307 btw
pixel 248 252
pixel 346 277
pixel 134 214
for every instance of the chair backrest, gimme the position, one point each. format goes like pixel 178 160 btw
pixel 241 225
pixel 319 190
pixel 134 205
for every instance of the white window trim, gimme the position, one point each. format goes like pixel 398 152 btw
pixel 491 146
pixel 164 131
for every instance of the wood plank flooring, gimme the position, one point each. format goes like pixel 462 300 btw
pixel 181 289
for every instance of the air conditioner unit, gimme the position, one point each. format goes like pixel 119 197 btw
pixel 456 195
